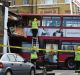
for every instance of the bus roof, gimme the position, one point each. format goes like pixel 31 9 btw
pixel 29 14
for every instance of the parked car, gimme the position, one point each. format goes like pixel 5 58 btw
pixel 14 64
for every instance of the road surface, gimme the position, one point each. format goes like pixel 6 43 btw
pixel 59 72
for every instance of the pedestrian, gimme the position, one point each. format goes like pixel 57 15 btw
pixel 35 27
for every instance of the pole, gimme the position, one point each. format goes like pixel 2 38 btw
pixel 75 7
pixel 71 6
pixel 5 40
pixel 8 45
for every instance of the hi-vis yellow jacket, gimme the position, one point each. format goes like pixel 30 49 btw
pixel 34 55
pixel 77 54
pixel 35 25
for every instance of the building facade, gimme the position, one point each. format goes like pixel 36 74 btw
pixel 43 6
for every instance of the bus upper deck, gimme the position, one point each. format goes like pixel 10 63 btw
pixel 52 26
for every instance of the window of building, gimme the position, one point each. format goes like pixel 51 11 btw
pixel 71 21
pixel 78 10
pixel 13 2
pixel 51 21
pixel 54 1
pixel 67 12
pixel 67 1
pixel 48 1
pixel 25 1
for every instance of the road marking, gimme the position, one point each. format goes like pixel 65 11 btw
pixel 76 74
pixel 65 74
pixel 58 73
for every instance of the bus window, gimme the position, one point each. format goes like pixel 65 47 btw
pixel 29 23
pixel 27 45
pixel 67 47
pixel 71 21
pixel 51 21
pixel 56 21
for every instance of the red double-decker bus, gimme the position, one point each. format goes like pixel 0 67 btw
pixel 57 32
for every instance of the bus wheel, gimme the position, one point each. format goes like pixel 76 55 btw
pixel 70 64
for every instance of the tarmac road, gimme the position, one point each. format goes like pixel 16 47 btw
pixel 58 72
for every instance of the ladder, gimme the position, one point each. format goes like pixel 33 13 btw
pixel 35 42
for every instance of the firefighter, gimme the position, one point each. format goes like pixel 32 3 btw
pixel 34 27
pixel 77 54
pixel 34 55
pixel 77 57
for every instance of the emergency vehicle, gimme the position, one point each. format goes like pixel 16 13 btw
pixel 56 32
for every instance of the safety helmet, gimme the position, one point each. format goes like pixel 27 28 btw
pixel 35 18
